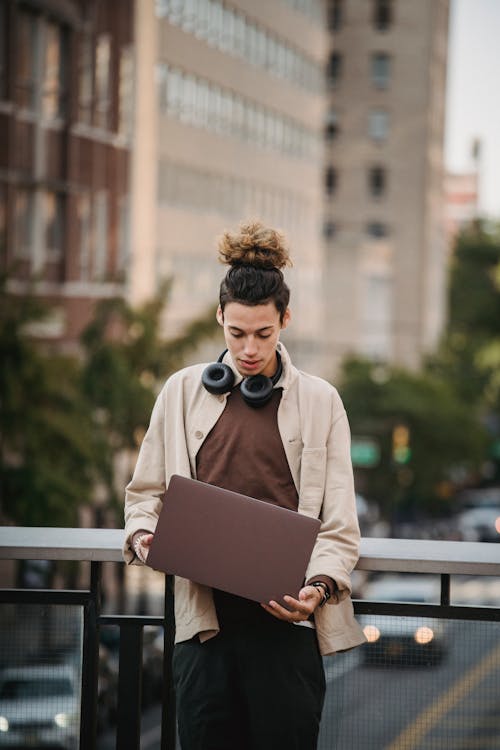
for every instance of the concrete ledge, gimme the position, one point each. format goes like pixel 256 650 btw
pixel 402 555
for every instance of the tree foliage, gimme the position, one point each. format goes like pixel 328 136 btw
pixel 50 455
pixel 445 437
pixel 65 420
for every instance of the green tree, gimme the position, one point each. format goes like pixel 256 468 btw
pixel 51 457
pixel 469 355
pixel 443 433
pixel 126 359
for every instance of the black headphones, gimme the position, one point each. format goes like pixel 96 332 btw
pixel 218 378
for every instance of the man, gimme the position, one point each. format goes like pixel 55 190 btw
pixel 250 676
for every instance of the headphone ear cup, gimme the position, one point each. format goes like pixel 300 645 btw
pixel 218 378
pixel 256 390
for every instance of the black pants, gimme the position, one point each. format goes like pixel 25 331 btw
pixel 251 687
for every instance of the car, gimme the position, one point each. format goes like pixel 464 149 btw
pixel 479 524
pixel 400 640
pixel 40 707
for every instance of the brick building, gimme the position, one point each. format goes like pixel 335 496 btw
pixel 66 99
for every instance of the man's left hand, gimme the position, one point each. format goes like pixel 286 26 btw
pixel 300 609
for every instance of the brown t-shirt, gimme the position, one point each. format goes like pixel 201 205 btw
pixel 244 453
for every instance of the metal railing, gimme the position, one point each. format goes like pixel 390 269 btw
pixel 104 545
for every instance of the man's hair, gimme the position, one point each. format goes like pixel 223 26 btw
pixel 256 254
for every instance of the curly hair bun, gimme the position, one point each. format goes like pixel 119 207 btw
pixel 254 245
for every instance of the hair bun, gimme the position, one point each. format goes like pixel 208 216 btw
pixel 254 245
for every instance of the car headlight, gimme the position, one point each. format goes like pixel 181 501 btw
pixel 63 720
pixel 372 633
pixel 4 724
pixel 424 635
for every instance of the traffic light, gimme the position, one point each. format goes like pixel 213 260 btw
pixel 401 451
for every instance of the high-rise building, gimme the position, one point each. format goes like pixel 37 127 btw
pixel 235 126
pixel 66 98
pixel 383 178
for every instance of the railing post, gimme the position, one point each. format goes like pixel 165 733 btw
pixel 128 731
pixel 90 661
pixel 168 716
pixel 445 589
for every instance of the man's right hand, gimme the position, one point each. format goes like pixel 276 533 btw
pixel 141 542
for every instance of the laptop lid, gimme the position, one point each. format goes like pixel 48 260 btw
pixel 232 542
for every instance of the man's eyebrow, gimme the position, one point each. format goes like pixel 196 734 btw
pixel 264 328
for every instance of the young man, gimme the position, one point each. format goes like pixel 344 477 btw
pixel 247 675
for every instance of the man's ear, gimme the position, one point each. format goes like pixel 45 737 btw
pixel 220 316
pixel 286 318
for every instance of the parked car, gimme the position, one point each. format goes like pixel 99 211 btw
pixel 403 640
pixel 39 707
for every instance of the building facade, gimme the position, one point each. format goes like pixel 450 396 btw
pixel 235 119
pixel 66 98
pixel 383 181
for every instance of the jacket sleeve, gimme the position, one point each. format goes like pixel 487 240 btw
pixel 144 493
pixel 337 547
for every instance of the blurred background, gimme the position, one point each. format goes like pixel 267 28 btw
pixel 133 133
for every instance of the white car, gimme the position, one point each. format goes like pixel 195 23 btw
pixel 393 639
pixel 40 707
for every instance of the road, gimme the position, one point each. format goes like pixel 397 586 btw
pixel 451 706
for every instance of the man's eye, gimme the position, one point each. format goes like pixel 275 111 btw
pixel 236 335
pixel 264 335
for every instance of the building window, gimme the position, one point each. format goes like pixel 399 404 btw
pixel 24 215
pixel 54 73
pixel 335 14
pixel 378 124
pixel 85 235
pixel 332 125
pixel 376 230
pixel 25 59
pixel 126 92
pixel 334 68
pixel 380 69
pixel 123 255
pixel 100 265
pixel 86 75
pixel 377 181
pixel 382 14
pixel 331 179
pixel 329 229
pixel 53 211
pixel 102 81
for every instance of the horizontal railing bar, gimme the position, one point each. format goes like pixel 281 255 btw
pixel 437 611
pixel 139 620
pixel 376 554
pixel 44 596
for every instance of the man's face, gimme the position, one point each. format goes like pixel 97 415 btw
pixel 251 334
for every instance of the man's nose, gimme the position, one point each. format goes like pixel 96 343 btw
pixel 250 345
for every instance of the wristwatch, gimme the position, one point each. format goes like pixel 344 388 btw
pixel 325 590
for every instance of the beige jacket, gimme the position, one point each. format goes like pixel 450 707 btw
pixel 315 433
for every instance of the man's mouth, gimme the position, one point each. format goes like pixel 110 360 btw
pixel 249 363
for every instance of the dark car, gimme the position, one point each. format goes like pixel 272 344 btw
pixel 398 640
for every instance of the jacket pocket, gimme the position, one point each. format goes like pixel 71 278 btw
pixel 312 480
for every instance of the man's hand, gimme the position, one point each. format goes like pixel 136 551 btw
pixel 141 542
pixel 300 609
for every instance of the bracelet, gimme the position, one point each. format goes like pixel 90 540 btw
pixel 324 588
pixel 137 548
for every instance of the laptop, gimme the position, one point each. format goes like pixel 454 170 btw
pixel 232 542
